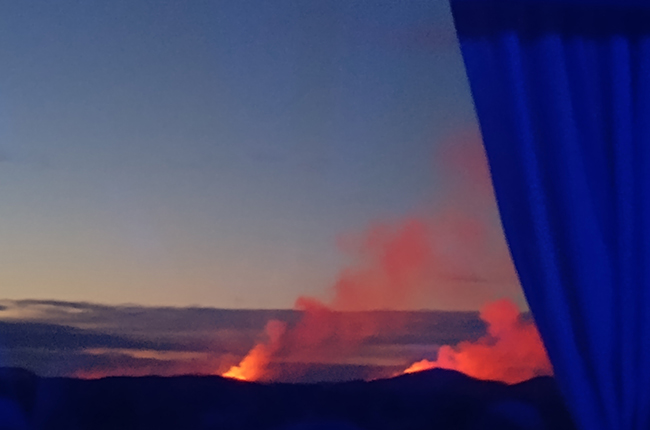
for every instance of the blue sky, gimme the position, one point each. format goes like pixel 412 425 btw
pixel 211 152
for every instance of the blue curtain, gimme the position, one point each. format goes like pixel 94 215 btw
pixel 562 94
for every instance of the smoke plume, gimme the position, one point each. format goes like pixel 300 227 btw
pixel 452 258
pixel 511 352
pixel 432 263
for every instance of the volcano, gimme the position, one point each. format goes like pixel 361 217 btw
pixel 437 398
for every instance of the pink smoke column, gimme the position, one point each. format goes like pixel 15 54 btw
pixel 511 352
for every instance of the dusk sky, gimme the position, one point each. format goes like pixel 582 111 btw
pixel 215 153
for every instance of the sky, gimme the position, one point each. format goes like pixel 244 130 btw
pixel 217 153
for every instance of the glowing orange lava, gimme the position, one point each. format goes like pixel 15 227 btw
pixel 252 367
pixel 420 366
pixel 235 372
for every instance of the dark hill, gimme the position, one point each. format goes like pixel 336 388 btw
pixel 436 399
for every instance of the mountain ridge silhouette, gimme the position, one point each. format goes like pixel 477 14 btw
pixel 437 398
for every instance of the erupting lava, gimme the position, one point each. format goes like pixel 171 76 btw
pixel 253 366
pixel 419 366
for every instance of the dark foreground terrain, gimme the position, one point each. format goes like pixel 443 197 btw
pixel 436 399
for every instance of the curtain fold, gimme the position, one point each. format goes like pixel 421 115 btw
pixel 562 94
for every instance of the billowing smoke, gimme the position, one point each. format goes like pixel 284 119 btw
pixel 455 259
pixel 512 351
pixel 418 263
pixel 390 265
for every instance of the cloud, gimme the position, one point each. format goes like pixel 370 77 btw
pixel 140 318
pixel 58 338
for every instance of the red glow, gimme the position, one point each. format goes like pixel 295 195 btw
pixel 511 352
